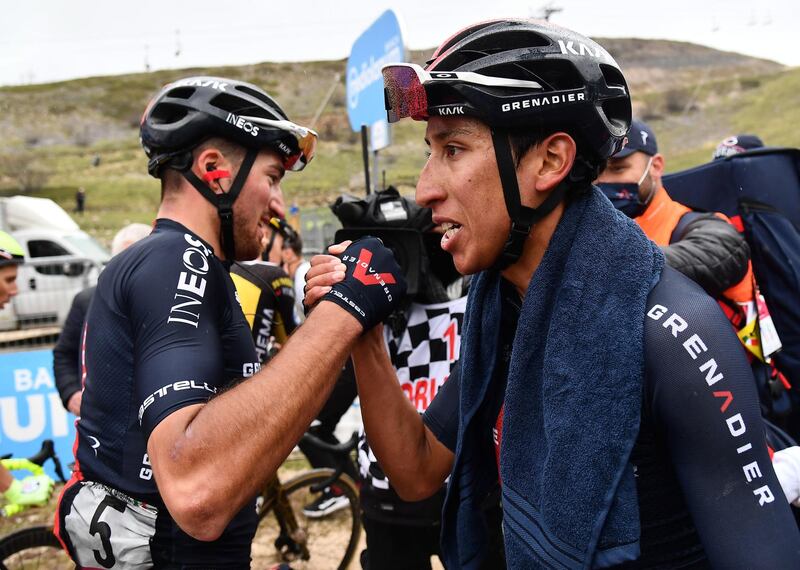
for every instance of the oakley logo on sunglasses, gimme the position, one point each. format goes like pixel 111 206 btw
pixel 543 101
pixel 243 124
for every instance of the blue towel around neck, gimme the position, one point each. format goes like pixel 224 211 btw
pixel 572 402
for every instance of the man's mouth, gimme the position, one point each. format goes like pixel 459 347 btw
pixel 450 229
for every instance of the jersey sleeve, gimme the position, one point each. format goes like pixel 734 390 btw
pixel 174 301
pixel 441 417
pixel 705 406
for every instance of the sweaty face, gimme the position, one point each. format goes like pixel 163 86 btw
pixel 461 184
pixel 260 199
pixel 8 284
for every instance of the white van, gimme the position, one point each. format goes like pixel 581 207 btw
pixel 60 261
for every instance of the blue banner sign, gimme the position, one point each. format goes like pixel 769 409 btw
pixel 31 409
pixel 380 44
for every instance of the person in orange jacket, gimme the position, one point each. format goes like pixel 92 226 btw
pixel 707 249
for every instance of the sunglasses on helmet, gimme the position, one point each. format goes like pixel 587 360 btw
pixel 306 140
pixel 405 94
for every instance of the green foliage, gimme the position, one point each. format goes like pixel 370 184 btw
pixel 61 128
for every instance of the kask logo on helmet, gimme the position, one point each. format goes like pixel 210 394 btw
pixel 568 48
pixel 200 82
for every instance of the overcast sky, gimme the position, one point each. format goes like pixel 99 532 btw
pixel 47 40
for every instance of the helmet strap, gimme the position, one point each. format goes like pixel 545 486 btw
pixel 522 217
pixel 224 201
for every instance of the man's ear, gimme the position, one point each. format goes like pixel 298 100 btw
pixel 211 160
pixel 545 165
pixel 658 165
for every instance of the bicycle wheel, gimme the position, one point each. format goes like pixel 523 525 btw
pixel 330 541
pixel 34 548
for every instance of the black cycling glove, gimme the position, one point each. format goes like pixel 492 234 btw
pixel 373 284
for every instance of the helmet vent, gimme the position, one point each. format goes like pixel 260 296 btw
pixel 182 92
pixel 167 114
pixel 261 97
pixel 233 104
pixel 618 112
pixel 516 39
pixel 553 74
pixel 612 75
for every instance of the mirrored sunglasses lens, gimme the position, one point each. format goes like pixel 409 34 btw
pixel 405 95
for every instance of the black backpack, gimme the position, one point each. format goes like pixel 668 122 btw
pixel 760 191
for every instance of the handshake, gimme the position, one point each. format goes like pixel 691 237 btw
pixel 362 277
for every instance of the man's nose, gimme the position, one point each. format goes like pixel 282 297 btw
pixel 428 189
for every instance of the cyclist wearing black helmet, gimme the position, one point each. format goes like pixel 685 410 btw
pixel 171 446
pixel 594 383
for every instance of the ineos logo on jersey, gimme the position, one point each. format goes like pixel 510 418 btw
pixel 241 123
pixel 191 285
pixel 695 346
pixel 175 387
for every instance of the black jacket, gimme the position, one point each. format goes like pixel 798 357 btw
pixel 710 252
pixel 66 354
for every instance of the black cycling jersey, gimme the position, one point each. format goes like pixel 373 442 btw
pixel 164 331
pixel 266 294
pixel 707 493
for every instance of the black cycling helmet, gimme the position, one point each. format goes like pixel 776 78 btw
pixel 514 74
pixel 190 111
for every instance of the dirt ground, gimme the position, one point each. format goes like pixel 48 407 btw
pixel 326 537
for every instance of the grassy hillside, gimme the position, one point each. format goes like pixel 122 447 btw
pixel 693 96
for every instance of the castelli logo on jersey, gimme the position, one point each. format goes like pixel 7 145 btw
pixel 240 122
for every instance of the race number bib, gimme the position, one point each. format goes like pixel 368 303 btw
pixel 110 530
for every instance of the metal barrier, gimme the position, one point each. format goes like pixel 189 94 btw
pixel 47 285
pixel 317 228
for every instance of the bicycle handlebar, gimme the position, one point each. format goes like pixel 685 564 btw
pixel 336 449
pixel 47 451
pixel 341 451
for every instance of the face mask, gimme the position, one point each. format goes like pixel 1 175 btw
pixel 626 195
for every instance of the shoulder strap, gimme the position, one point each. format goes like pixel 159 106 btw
pixel 683 223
